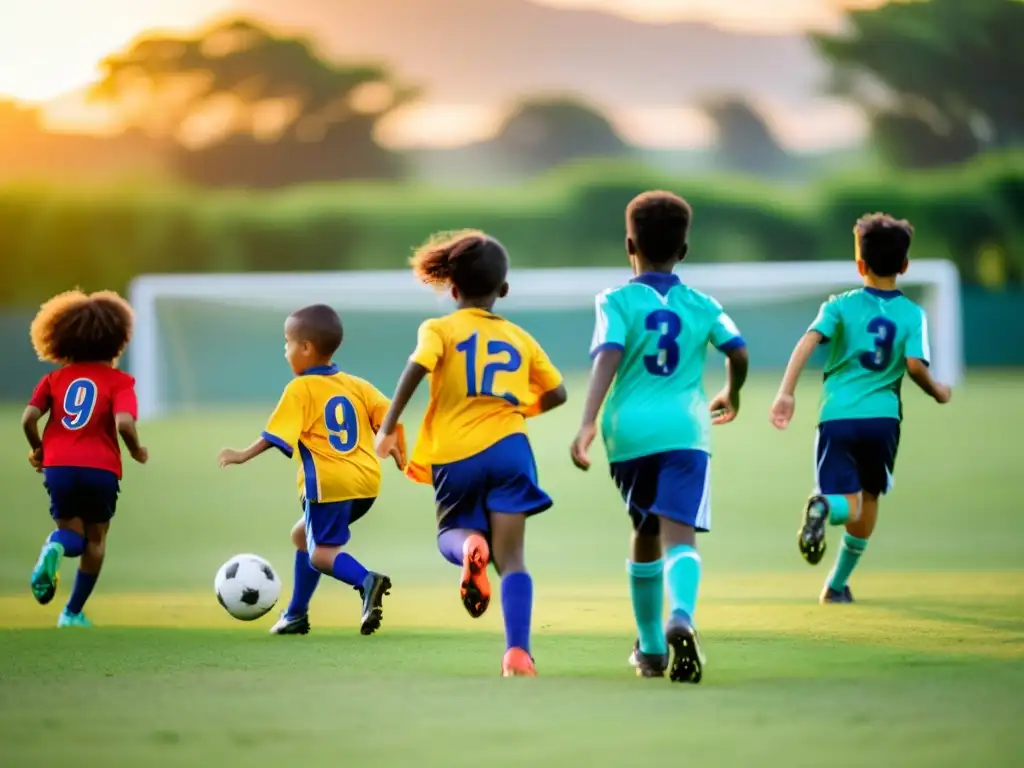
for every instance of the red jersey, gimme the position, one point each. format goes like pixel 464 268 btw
pixel 82 399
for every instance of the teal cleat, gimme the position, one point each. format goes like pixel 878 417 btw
pixel 68 619
pixel 46 574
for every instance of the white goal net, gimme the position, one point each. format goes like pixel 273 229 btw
pixel 215 340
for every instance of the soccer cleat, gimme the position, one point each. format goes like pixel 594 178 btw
pixel 648 664
pixel 287 625
pixel 46 574
pixel 517 663
pixel 374 587
pixel 68 619
pixel 687 658
pixel 829 595
pixel 811 536
pixel 476 588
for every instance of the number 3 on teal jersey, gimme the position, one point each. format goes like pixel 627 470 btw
pixel 884 331
pixel 669 326
pixel 512 362
pixel 342 424
pixel 79 403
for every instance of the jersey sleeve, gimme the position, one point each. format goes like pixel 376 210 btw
pixel 609 326
pixel 288 421
pixel 544 377
pixel 917 343
pixel 124 398
pixel 724 336
pixel 429 345
pixel 377 404
pixel 827 322
pixel 42 396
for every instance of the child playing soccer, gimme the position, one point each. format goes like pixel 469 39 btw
pixel 486 376
pixel 875 335
pixel 651 339
pixel 89 403
pixel 326 419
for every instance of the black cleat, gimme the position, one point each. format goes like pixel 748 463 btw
pixel 374 587
pixel 687 657
pixel 811 536
pixel 648 664
pixel 288 625
pixel 829 595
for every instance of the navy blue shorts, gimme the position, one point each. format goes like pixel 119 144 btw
pixel 327 523
pixel 83 492
pixel 502 478
pixel 675 485
pixel 854 455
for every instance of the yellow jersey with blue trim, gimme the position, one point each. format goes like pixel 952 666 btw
pixel 327 420
pixel 486 377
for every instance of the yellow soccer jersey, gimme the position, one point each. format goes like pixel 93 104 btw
pixel 327 420
pixel 486 376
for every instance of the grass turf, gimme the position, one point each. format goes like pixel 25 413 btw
pixel 926 669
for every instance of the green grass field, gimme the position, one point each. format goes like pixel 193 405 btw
pixel 926 670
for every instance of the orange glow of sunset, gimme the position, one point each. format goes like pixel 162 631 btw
pixel 51 47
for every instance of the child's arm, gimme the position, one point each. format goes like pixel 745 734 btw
pixel 387 438
pixel 602 373
pixel 30 426
pixel 785 401
pixel 922 376
pixel 547 380
pixel 726 404
pixel 126 429
pixel 230 456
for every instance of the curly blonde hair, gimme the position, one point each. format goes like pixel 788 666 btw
pixel 75 327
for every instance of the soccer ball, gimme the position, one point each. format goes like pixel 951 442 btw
pixel 247 587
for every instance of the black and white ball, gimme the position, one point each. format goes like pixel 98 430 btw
pixel 247 587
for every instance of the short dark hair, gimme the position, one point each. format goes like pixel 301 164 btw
pixel 883 242
pixel 471 260
pixel 658 224
pixel 75 327
pixel 320 325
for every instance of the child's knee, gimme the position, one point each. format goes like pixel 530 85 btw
pixel 322 559
pixel 96 550
pixel 299 536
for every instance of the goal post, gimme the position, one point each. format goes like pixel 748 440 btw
pixel 192 331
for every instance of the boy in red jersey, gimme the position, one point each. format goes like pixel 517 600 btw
pixel 90 403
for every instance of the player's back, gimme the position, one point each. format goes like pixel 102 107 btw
pixel 663 328
pixel 870 333
pixel 332 418
pixel 83 399
pixel 485 373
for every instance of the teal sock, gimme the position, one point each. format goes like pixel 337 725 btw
pixel 846 561
pixel 682 577
pixel 838 509
pixel 647 589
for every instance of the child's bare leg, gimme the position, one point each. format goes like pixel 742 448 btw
pixel 508 533
pixel 295 620
pixel 855 541
pixel 682 581
pixel 89 566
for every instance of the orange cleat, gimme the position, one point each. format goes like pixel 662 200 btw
pixel 476 589
pixel 517 663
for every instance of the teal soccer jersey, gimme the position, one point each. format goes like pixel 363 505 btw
pixel 871 333
pixel 657 401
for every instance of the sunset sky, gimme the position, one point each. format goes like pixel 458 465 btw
pixel 49 48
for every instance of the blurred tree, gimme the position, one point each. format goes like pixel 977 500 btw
pixel 745 142
pixel 248 107
pixel 543 133
pixel 939 80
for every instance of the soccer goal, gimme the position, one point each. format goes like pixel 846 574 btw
pixel 217 340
